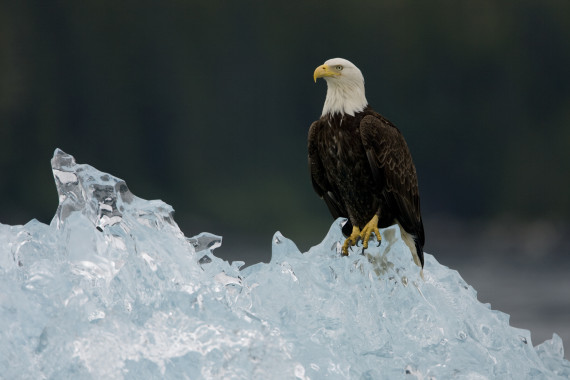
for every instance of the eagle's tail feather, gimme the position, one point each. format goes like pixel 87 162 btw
pixel 414 245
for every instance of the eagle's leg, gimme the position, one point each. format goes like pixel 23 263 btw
pixel 351 240
pixel 370 228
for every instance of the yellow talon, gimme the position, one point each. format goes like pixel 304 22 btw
pixel 351 240
pixel 369 228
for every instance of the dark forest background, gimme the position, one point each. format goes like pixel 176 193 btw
pixel 207 104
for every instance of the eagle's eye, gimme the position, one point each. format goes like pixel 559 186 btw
pixel 339 68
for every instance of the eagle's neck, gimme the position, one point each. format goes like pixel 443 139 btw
pixel 344 97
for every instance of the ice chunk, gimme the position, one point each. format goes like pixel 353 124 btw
pixel 112 289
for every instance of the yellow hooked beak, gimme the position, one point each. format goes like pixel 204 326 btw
pixel 324 71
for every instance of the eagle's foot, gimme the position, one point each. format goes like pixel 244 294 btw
pixel 351 240
pixel 370 228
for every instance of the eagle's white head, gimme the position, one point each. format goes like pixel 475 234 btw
pixel 345 87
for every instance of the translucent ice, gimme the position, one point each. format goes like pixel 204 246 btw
pixel 112 289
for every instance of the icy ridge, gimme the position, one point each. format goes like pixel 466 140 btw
pixel 112 289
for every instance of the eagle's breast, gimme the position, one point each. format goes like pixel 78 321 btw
pixel 347 167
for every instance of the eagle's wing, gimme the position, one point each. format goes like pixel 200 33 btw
pixel 319 178
pixel 393 171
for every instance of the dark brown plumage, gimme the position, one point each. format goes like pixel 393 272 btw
pixel 361 166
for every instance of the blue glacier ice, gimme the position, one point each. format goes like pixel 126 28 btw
pixel 112 289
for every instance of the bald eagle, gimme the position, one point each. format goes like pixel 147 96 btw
pixel 360 163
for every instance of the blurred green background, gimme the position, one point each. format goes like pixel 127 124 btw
pixel 207 104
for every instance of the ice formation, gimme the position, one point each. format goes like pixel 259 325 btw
pixel 113 289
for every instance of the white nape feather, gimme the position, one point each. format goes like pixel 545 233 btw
pixel 345 92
